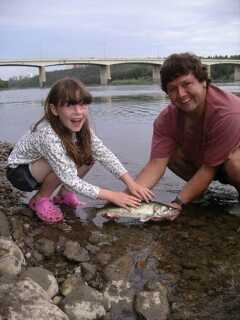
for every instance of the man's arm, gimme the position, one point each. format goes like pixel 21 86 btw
pixel 152 172
pixel 197 184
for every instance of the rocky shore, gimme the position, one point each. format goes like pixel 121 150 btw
pixel 185 270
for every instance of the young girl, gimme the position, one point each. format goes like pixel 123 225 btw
pixel 60 149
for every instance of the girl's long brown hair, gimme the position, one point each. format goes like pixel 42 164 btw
pixel 70 91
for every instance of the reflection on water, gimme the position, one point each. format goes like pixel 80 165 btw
pixel 121 115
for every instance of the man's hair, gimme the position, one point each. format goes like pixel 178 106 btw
pixel 179 64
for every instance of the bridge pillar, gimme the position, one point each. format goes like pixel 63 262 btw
pixel 209 70
pixel 105 75
pixel 156 73
pixel 42 76
pixel 236 73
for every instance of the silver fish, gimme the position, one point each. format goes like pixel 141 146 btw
pixel 145 212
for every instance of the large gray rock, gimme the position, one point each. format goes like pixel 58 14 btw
pixel 26 300
pixel 73 251
pixel 84 303
pixel 11 258
pixel 44 278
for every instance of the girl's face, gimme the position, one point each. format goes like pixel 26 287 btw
pixel 72 116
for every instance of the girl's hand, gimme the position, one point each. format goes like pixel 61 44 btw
pixel 121 199
pixel 141 192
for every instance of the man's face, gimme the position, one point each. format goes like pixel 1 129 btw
pixel 187 93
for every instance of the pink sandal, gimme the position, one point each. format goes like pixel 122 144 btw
pixel 46 210
pixel 68 198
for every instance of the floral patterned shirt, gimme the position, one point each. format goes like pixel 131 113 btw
pixel 45 143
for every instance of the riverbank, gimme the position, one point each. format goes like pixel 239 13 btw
pixel 185 270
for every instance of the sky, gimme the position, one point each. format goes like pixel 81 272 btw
pixel 33 29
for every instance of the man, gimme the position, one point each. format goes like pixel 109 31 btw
pixel 197 135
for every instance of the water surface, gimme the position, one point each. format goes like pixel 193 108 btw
pixel 121 115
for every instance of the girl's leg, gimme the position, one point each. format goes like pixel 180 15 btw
pixel 43 173
pixel 69 198
pixel 40 202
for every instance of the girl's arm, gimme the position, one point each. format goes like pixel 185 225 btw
pixel 121 199
pixel 106 157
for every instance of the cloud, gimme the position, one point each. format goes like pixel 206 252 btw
pixel 76 28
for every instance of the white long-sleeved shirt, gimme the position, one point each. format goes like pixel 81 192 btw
pixel 45 143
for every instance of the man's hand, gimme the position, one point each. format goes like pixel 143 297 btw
pixel 177 209
pixel 141 192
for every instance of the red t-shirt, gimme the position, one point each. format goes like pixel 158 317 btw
pixel 211 142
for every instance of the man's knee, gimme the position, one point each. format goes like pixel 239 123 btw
pixel 232 167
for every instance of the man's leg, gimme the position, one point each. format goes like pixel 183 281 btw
pixel 232 169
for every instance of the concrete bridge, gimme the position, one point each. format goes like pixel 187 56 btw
pixel 106 63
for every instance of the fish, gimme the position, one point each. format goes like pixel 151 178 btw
pixel 145 212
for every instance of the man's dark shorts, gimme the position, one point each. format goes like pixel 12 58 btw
pixel 221 175
pixel 22 179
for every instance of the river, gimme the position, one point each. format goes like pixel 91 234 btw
pixel 121 115
pixel 196 257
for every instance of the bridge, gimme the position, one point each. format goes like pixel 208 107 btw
pixel 106 63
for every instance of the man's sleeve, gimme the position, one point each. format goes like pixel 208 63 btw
pixel 163 139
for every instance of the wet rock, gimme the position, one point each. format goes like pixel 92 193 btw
pixel 89 270
pixel 99 238
pixel 73 251
pixel 73 282
pixel 26 300
pixel 120 269
pixel 92 248
pixel 11 258
pixel 153 305
pixel 18 229
pixel 84 303
pixel 103 258
pixel 46 247
pixel 44 278
pixel 120 296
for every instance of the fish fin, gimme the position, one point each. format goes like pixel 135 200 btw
pixel 145 219
pixel 110 217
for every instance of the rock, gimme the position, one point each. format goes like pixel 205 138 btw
pixel 98 238
pixel 84 303
pixel 26 300
pixel 4 227
pixel 120 298
pixel 72 282
pixel 6 283
pixel 46 247
pixel 153 305
pixel 89 270
pixel 44 278
pixel 11 258
pixel 73 251
pixel 103 258
pixel 120 269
